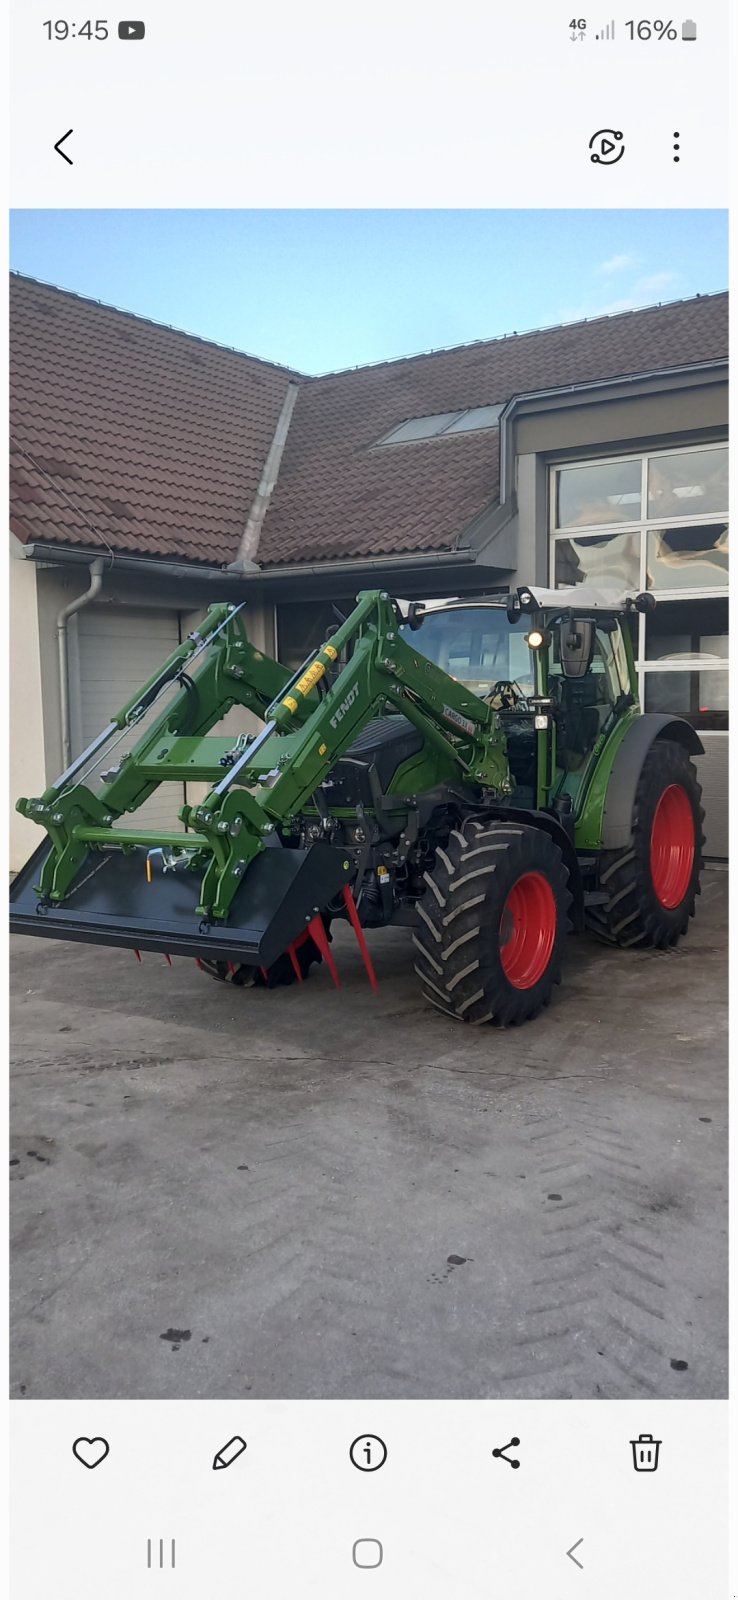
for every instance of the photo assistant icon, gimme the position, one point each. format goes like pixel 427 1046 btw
pixel 606 147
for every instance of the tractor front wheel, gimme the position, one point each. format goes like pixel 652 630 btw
pixel 653 883
pixel 492 923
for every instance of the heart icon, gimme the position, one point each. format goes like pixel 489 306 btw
pixel 90 1451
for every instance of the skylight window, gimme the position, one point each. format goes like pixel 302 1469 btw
pixel 469 421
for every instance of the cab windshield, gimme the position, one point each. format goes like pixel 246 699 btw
pixel 478 646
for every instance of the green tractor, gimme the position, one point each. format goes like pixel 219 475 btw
pixel 477 769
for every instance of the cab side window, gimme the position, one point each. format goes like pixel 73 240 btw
pixel 586 705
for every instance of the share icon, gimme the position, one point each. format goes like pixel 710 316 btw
pixel 501 1455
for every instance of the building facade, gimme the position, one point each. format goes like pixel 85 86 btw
pixel 153 473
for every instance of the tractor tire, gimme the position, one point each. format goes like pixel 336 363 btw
pixel 492 923
pixel 652 883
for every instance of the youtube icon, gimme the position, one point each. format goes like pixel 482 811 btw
pixel 131 30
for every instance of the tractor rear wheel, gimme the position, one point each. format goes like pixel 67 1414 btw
pixel 653 883
pixel 492 923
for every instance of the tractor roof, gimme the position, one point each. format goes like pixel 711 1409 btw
pixel 583 597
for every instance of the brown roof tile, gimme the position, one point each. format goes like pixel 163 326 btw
pixel 149 440
pixel 338 497
pixel 132 434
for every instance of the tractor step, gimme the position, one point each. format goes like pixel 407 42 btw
pixel 113 904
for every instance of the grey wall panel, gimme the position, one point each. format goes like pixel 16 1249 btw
pixel 119 648
pixel 712 769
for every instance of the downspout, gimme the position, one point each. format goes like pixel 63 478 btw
pixel 249 545
pixel 96 577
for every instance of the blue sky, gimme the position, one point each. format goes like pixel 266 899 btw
pixel 325 289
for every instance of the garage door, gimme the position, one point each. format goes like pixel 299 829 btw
pixel 119 649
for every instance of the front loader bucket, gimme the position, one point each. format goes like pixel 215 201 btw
pixel 113 904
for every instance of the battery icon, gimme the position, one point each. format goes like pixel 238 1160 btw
pixel 689 29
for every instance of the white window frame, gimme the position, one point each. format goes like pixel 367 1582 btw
pixel 642 525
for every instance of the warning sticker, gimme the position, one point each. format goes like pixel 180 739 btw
pixel 458 721
pixel 310 678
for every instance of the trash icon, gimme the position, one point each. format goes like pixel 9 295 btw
pixel 645 1452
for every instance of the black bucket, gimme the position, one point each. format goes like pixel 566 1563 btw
pixel 113 904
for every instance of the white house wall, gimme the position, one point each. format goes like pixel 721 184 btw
pixel 38 594
pixel 27 769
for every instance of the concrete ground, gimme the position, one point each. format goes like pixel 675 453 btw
pixel 308 1193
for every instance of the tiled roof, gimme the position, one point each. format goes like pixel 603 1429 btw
pixel 131 434
pixel 137 435
pixel 336 496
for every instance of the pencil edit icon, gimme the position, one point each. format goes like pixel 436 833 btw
pixel 229 1453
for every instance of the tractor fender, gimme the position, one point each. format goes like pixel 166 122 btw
pixel 548 823
pixel 617 813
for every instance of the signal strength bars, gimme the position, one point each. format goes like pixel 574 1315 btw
pixel 608 32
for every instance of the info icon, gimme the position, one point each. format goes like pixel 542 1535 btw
pixel 368 1452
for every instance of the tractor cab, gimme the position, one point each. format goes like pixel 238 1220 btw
pixel 476 643
pixel 556 665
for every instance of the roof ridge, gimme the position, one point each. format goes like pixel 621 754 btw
pixel 526 333
pixel 152 322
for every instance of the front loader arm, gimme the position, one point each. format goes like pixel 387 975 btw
pixel 383 671
pixel 234 672
pixel 259 786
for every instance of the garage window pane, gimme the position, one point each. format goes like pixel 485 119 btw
pixel 689 483
pixel 608 491
pixel 697 629
pixel 701 697
pixel 613 559
pixel 688 558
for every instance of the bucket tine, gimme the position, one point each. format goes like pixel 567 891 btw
pixel 168 959
pixel 353 917
pixel 317 929
pixel 296 968
pixel 137 954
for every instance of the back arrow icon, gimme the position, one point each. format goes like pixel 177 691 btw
pixel 572 1557
pixel 58 147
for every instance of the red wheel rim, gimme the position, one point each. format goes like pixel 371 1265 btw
pixel 672 846
pixel 527 930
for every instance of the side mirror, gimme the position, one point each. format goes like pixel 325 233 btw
pixel 576 646
pixel 415 615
